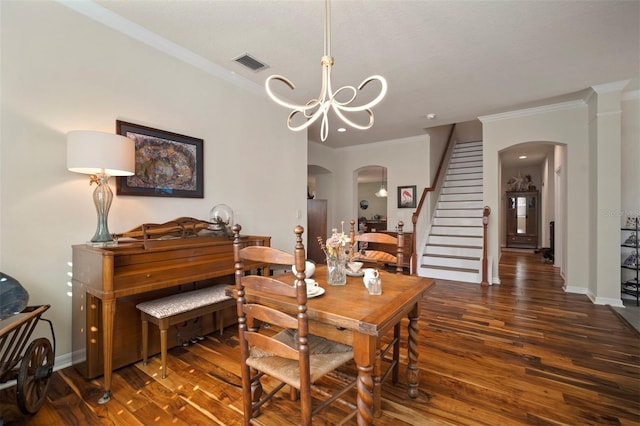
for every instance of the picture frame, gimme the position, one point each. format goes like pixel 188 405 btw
pixel 407 197
pixel 167 164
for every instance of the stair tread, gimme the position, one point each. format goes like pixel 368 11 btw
pixel 456 236
pixel 456 217
pixel 450 256
pixel 457 226
pixel 445 268
pixel 452 246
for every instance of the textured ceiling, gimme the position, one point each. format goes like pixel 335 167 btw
pixel 457 59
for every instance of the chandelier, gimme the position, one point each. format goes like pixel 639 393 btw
pixel 328 99
pixel 382 192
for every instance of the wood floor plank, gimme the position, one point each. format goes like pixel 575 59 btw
pixel 520 353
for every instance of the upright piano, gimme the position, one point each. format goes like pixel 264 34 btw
pixel 108 283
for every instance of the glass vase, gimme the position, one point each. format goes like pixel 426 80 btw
pixel 336 267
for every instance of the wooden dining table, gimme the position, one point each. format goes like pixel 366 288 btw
pixel 350 315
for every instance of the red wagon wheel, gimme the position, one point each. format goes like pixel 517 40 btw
pixel 33 379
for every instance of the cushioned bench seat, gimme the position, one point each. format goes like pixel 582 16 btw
pixel 178 308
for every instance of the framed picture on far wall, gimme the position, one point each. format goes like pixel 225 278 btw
pixel 167 164
pixel 407 197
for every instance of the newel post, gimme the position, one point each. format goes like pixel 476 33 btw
pixel 485 221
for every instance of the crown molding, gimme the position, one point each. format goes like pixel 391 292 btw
pixel 532 111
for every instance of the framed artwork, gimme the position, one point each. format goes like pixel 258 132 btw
pixel 167 164
pixel 407 197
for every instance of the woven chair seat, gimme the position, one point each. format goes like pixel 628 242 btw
pixel 324 357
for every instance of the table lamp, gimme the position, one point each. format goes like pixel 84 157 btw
pixel 101 155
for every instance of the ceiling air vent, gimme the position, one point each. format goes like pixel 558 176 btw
pixel 250 62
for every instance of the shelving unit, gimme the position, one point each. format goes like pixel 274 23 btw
pixel 631 244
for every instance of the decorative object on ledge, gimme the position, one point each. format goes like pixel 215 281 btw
pixel 166 164
pixel 407 197
pixel 100 155
pixel 327 98
pixel 221 217
pixel 520 184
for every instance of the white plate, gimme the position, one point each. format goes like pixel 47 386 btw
pixel 355 274
pixel 314 292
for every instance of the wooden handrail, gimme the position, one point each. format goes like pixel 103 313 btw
pixel 485 221
pixel 416 214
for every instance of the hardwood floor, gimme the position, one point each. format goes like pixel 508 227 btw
pixel 523 352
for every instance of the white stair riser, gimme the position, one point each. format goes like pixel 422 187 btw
pixel 469 145
pixel 453 251
pixel 470 151
pixel 459 213
pixel 460 204
pixel 462 164
pixel 465 277
pixel 462 197
pixel 449 262
pixel 457 221
pixel 464 170
pixel 476 189
pixel 465 157
pixel 462 182
pixel 475 231
pixel 455 241
pixel 463 176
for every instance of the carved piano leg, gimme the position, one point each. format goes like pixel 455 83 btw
pixel 108 320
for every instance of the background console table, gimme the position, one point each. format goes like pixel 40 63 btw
pixel 109 282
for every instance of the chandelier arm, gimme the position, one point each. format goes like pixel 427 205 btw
pixel 374 102
pixel 351 123
pixel 354 94
pixel 281 102
pixel 324 127
pixel 322 111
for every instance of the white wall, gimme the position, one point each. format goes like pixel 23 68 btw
pixel 565 124
pixel 587 194
pixel 406 161
pixel 62 72
pixel 630 155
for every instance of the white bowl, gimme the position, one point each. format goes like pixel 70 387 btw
pixel 309 268
pixel 354 266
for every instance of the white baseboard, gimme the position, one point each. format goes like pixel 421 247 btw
pixel 62 361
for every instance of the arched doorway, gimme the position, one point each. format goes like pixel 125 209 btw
pixel 371 198
pixel 534 165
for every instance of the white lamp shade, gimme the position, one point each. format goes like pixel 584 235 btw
pixel 91 152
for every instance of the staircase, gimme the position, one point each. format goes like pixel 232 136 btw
pixel 454 245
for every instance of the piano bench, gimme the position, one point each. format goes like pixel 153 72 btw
pixel 178 308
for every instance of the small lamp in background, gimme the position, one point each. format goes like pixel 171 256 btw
pixel 101 155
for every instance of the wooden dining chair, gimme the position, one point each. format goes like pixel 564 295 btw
pixel 292 356
pixel 362 253
pixel 395 244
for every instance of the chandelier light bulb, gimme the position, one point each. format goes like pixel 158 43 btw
pixel 328 98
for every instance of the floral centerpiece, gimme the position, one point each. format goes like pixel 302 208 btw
pixel 336 250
